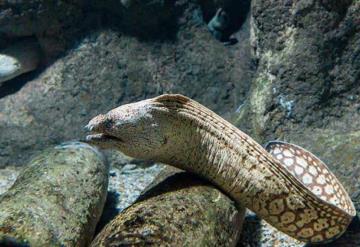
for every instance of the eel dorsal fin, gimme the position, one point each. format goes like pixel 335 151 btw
pixel 312 173
pixel 178 98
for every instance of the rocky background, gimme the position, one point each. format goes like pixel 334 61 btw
pixel 293 75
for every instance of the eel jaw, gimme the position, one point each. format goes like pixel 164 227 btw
pixel 98 134
pixel 102 139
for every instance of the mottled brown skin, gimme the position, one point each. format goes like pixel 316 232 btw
pixel 178 131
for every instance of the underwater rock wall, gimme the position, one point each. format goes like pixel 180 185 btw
pixel 307 66
pixel 306 87
pixel 54 24
pixel 106 69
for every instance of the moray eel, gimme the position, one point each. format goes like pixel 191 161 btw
pixel 284 184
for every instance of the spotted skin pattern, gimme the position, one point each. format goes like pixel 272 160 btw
pixel 316 176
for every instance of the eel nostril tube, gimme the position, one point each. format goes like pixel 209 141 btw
pixel 88 127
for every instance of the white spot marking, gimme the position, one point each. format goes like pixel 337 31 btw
pixel 301 162
pixel 321 179
pixel 307 179
pixel 299 170
pixel 288 161
pixel 313 171
pixel 276 151
pixel 287 153
pixel 279 156
pixel 329 189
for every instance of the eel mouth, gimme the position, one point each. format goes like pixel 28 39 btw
pixel 102 138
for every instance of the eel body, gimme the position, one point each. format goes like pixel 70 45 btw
pixel 283 184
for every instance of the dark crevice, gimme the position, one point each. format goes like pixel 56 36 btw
pixel 340 7
pixel 237 9
pixel 10 242
pixel 110 210
pixel 149 21
pixel 236 12
pixel 251 228
pixel 14 85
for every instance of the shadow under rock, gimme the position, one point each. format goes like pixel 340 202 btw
pixel 251 231
pixel 110 210
pixel 10 242
pixel 15 84
pixel 169 182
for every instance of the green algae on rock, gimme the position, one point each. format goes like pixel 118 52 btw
pixel 57 199
pixel 177 209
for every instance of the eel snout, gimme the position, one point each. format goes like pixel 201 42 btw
pixel 99 129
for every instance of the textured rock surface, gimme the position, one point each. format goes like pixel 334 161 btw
pixel 26 18
pixel 107 69
pixel 8 176
pixel 306 87
pixel 176 210
pixel 57 200
pixel 59 24
pixel 53 23
pixel 308 66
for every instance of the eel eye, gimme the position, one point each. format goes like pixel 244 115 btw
pixel 108 123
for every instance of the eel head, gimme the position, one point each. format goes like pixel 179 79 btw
pixel 136 129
